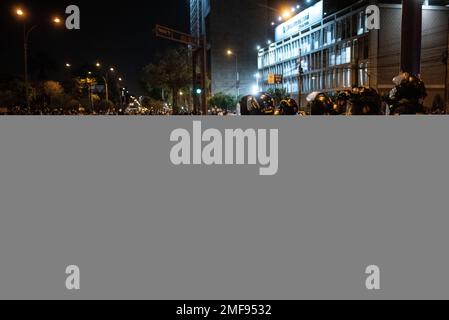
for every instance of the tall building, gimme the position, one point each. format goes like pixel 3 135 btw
pixel 237 26
pixel 338 51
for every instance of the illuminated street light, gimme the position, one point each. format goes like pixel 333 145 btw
pixel 26 35
pixel 120 79
pixel 98 64
pixel 57 20
pixel 237 82
pixel 287 14
pixel 68 65
pixel 112 69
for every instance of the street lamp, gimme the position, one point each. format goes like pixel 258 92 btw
pixel 21 13
pixel 230 53
pixel 105 78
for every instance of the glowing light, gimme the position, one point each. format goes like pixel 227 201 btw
pixel 287 14
pixel 255 89
pixel 20 12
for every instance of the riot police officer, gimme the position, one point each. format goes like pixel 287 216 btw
pixel 365 102
pixel 341 104
pixel 319 104
pixel 288 107
pixel 255 105
pixel 407 96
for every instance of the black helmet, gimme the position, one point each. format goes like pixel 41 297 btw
pixel 259 104
pixel 407 96
pixel 344 95
pixel 288 107
pixel 341 102
pixel 365 101
pixel 320 104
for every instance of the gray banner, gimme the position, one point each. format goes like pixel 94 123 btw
pixel 102 194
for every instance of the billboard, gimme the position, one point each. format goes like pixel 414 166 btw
pixel 299 22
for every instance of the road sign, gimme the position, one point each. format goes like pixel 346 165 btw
pixel 275 78
pixel 278 78
pixel 175 35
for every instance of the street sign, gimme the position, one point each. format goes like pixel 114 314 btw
pixel 174 35
pixel 275 78
pixel 278 78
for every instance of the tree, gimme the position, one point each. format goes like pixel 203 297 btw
pixel 222 101
pixel 52 89
pixel 171 72
pixel 278 94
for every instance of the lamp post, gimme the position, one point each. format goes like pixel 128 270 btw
pixel 105 78
pixel 26 35
pixel 237 82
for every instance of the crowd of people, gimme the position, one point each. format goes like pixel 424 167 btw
pixel 406 98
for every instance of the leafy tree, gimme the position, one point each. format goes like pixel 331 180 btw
pixel 278 94
pixel 222 101
pixel 52 89
pixel 172 72
pixel 152 104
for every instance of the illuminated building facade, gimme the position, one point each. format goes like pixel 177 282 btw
pixel 338 51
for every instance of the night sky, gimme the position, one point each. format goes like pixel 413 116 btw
pixel 117 33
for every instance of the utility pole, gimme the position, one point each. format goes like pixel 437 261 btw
pixel 199 46
pixel 26 36
pixel 411 36
pixel 446 82
pixel 300 74
pixel 194 98
pixel 204 75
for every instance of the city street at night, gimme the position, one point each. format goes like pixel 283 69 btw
pixel 181 58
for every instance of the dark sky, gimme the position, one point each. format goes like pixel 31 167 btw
pixel 118 33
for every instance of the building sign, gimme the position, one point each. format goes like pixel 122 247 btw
pixel 275 78
pixel 299 22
